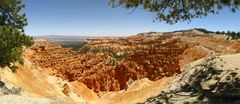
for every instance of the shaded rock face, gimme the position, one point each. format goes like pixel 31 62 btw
pixel 7 91
pixel 106 67
pixel 2 84
pixel 211 80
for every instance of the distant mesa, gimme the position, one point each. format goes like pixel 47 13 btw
pixel 59 38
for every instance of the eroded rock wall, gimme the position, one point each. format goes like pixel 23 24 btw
pixel 148 56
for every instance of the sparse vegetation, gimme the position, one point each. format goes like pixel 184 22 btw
pixel 232 34
pixel 114 54
pixel 204 30
pixel 78 45
pixel 118 56
pixel 84 49
pixel 111 61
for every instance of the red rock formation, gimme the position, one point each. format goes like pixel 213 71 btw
pixel 152 57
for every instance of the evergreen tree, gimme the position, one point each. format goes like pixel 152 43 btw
pixel 233 34
pixel 12 36
pixel 173 11
pixel 238 34
pixel 228 32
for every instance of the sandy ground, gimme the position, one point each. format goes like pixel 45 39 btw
pixel 138 91
pixel 15 99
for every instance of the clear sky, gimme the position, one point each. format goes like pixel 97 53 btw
pixel 97 18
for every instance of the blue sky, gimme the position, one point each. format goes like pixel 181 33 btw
pixel 97 18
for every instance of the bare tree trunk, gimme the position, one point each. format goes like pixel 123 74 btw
pixel 1 73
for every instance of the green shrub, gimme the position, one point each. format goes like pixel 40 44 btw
pixel 74 45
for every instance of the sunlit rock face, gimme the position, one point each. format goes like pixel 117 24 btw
pixel 209 80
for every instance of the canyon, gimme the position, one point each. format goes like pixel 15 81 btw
pixel 117 70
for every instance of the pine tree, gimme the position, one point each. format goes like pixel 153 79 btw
pixel 238 34
pixel 12 36
pixel 234 35
pixel 173 11
pixel 217 32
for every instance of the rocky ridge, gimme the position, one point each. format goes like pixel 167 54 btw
pixel 210 80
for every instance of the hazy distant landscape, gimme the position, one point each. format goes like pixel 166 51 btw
pixel 61 38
